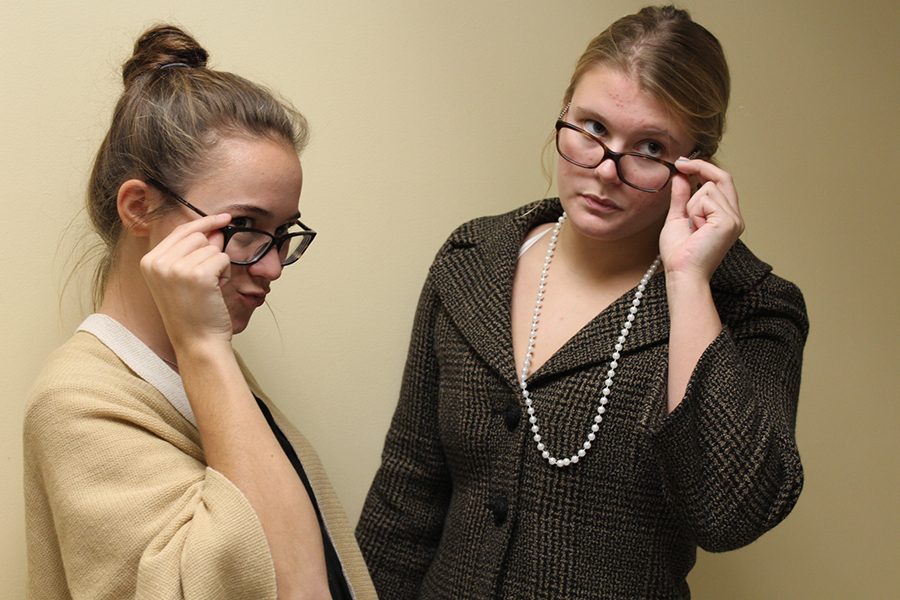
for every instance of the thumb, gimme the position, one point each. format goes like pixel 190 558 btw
pixel 681 193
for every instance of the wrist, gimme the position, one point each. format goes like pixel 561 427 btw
pixel 691 282
pixel 202 352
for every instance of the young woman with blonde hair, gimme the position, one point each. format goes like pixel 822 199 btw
pixel 597 383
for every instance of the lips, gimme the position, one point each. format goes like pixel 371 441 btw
pixel 253 298
pixel 604 205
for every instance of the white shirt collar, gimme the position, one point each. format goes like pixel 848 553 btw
pixel 140 359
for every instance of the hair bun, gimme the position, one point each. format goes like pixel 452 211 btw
pixel 159 46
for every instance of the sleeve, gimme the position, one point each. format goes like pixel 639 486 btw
pixel 728 453
pixel 123 506
pixel 403 516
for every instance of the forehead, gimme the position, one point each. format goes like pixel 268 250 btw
pixel 617 98
pixel 250 173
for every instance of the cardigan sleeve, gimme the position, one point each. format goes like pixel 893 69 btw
pixel 119 504
pixel 728 452
pixel 403 516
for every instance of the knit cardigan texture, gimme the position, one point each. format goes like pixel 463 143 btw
pixel 121 504
pixel 464 506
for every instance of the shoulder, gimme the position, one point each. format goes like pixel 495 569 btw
pixel 744 284
pixel 498 235
pixel 484 229
pixel 83 380
pixel 82 363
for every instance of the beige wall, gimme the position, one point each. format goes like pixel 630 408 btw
pixel 428 113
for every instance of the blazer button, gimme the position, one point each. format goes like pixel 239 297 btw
pixel 499 507
pixel 512 415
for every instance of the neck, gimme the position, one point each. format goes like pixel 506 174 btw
pixel 127 299
pixel 603 261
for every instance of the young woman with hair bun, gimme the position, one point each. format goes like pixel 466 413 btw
pixel 601 382
pixel 155 467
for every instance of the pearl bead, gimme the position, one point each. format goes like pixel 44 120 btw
pixel 611 372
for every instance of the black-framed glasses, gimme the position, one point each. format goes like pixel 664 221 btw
pixel 640 171
pixel 245 245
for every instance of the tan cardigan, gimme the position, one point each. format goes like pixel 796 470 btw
pixel 120 502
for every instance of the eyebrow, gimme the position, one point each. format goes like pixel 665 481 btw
pixel 256 211
pixel 584 112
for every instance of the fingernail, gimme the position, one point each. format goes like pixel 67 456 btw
pixel 682 159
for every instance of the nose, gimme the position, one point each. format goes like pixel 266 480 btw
pixel 607 170
pixel 268 267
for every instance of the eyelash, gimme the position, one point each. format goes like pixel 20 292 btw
pixel 587 127
pixel 241 221
pixel 248 222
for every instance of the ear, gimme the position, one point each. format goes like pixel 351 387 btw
pixel 135 201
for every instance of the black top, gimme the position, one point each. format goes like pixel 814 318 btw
pixel 337 583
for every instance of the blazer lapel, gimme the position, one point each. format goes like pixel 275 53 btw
pixel 594 344
pixel 473 277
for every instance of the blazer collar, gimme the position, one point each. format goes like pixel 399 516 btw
pixel 473 277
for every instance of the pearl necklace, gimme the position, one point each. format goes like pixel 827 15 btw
pixel 610 373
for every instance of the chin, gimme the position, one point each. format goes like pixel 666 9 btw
pixel 239 323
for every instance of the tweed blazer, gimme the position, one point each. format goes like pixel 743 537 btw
pixel 119 501
pixel 463 505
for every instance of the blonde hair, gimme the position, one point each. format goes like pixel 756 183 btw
pixel 170 116
pixel 672 58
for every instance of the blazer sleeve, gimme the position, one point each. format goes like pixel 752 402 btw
pixel 728 453
pixel 119 505
pixel 403 515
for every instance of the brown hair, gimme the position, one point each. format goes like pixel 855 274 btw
pixel 675 60
pixel 171 115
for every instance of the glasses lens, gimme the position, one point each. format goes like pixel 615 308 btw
pixel 247 246
pixel 578 148
pixel 294 247
pixel 644 172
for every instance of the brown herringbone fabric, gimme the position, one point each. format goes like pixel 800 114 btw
pixel 464 507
